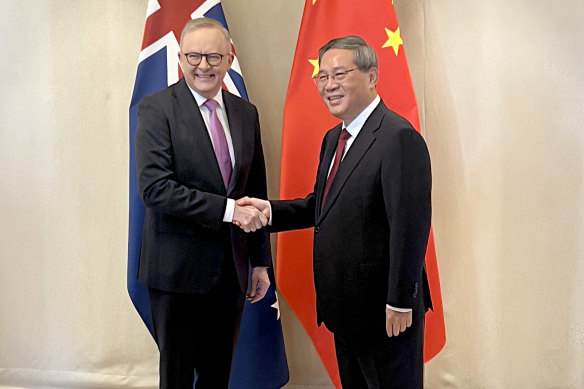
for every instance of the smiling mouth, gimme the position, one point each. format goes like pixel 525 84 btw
pixel 205 76
pixel 334 98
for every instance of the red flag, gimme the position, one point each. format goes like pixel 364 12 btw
pixel 306 120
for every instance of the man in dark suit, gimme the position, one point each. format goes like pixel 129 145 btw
pixel 371 217
pixel 198 149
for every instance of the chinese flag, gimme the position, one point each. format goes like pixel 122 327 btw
pixel 306 120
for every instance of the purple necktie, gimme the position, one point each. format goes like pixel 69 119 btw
pixel 338 156
pixel 219 141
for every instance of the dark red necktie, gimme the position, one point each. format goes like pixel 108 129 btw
pixel 338 157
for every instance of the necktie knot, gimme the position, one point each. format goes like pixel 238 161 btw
pixel 211 104
pixel 344 135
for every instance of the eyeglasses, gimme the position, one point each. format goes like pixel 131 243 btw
pixel 213 59
pixel 321 79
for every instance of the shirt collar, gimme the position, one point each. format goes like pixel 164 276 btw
pixel 201 100
pixel 355 126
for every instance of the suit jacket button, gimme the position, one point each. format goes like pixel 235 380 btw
pixel 316 229
pixel 415 290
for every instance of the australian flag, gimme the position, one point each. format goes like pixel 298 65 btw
pixel 260 359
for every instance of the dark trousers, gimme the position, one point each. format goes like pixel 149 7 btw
pixel 196 334
pixel 384 363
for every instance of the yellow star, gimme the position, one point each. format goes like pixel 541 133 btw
pixel 314 1
pixel 394 40
pixel 314 62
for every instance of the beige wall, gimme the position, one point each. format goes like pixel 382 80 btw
pixel 499 86
pixel 503 113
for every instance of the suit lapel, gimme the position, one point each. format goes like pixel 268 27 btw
pixel 360 145
pixel 329 150
pixel 191 116
pixel 233 118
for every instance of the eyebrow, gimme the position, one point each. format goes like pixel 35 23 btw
pixel 337 68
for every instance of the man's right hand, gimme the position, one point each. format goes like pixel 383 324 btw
pixel 262 205
pixel 248 217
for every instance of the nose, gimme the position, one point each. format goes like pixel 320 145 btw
pixel 204 64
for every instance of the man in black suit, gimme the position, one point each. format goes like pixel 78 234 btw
pixel 371 217
pixel 198 149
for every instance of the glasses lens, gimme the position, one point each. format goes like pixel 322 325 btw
pixel 320 79
pixel 214 59
pixel 194 58
pixel 340 76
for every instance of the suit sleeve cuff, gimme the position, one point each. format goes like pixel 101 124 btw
pixel 229 209
pixel 398 309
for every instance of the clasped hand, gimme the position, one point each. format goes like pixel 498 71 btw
pixel 251 214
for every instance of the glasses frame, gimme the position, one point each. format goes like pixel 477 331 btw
pixel 319 83
pixel 206 56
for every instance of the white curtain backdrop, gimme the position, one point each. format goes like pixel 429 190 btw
pixel 500 88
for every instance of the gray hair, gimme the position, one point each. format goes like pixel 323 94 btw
pixel 195 24
pixel 364 55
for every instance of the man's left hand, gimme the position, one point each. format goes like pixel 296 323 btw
pixel 259 284
pixel 396 322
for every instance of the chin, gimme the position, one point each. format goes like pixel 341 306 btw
pixel 207 90
pixel 336 112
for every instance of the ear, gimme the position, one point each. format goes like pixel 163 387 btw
pixel 373 77
pixel 230 57
pixel 180 57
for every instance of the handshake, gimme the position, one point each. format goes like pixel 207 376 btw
pixel 251 214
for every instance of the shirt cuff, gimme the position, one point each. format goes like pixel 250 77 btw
pixel 229 209
pixel 398 309
pixel 270 221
